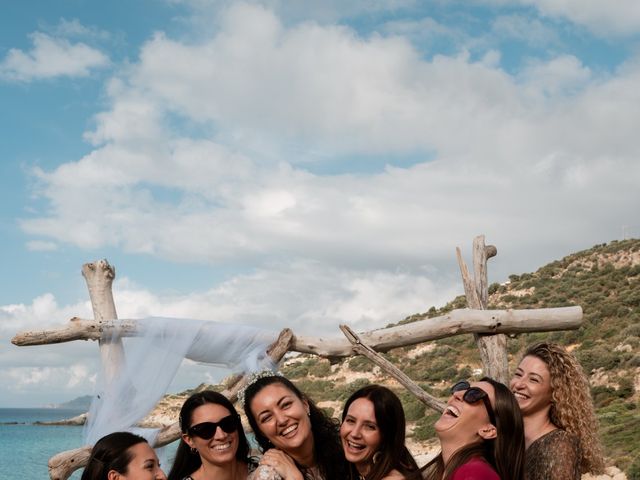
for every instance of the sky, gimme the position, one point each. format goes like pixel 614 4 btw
pixel 298 164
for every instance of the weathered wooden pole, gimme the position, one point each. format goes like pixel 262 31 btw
pixel 493 348
pixel 455 322
pixel 99 276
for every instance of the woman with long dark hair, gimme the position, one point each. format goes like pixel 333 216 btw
pixel 122 456
pixel 481 434
pixel 298 440
pixel 560 424
pixel 373 435
pixel 213 444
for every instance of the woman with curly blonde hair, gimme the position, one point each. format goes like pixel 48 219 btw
pixel 560 425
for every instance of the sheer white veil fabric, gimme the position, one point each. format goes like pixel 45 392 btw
pixel 152 360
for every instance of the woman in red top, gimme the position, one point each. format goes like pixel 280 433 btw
pixel 481 434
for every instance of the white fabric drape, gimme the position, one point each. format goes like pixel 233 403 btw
pixel 152 360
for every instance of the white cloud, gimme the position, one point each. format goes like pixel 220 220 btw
pixel 611 19
pixel 608 18
pixel 51 57
pixel 560 75
pixel 41 246
pixel 243 194
pixel 73 28
pixel 531 31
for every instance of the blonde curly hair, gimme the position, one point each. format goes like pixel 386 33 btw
pixel 571 404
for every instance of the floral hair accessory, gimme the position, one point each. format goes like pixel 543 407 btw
pixel 253 378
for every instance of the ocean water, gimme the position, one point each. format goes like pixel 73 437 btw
pixel 25 448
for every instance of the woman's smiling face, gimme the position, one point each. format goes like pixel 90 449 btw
pixel 360 434
pixel 531 385
pixel 283 418
pixel 222 447
pixel 143 465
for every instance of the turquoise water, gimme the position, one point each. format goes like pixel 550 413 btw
pixel 25 448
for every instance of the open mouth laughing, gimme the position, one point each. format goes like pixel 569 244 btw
pixel 451 411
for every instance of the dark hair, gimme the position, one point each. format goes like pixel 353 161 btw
pixel 505 453
pixel 328 452
pixel 186 462
pixel 391 423
pixel 111 452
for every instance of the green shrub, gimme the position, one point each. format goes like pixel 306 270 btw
pixel 424 427
pixel 360 364
pixel 625 387
pixel 322 368
pixel 634 469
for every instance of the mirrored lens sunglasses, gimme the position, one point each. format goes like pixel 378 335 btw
pixel 206 430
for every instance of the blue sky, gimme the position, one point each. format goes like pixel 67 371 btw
pixel 281 164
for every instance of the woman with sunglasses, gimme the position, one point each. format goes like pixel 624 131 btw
pixel 373 433
pixel 298 440
pixel 560 425
pixel 213 444
pixel 481 434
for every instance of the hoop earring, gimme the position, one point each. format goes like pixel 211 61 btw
pixel 376 457
pixel 194 450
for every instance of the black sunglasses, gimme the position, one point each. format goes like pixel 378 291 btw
pixel 473 395
pixel 206 430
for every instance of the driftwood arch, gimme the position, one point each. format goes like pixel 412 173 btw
pixel 488 327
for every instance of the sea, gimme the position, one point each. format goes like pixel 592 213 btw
pixel 25 447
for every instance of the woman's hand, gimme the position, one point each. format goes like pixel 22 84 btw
pixel 281 463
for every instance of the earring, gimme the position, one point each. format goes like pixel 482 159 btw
pixel 194 450
pixel 376 457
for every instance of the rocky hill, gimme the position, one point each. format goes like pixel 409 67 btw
pixel 604 280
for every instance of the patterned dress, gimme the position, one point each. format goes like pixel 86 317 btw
pixel 265 472
pixel 553 456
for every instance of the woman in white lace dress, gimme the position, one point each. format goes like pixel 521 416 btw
pixel 213 444
pixel 298 440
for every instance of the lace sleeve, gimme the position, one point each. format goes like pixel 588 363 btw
pixel 264 472
pixel 555 456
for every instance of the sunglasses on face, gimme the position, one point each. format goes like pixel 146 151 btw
pixel 474 395
pixel 206 430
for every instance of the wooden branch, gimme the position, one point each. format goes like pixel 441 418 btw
pixel 78 329
pixel 480 272
pixel 456 322
pixel 391 369
pixel 62 465
pixel 469 287
pixel 99 277
pixel 492 346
